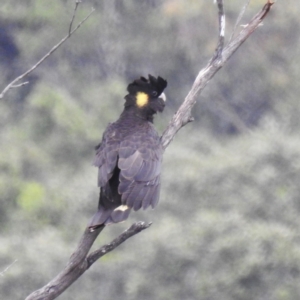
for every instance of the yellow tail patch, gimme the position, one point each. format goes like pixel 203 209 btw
pixel 122 208
pixel 141 99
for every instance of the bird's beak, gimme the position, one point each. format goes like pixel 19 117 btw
pixel 163 96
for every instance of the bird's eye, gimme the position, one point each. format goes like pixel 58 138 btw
pixel 154 93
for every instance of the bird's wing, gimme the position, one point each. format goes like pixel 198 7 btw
pixel 106 155
pixel 140 157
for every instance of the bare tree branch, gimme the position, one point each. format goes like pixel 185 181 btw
pixel 6 269
pixel 241 14
pixel 14 84
pixel 134 229
pixel 80 261
pixel 218 52
pixel 20 84
pixel 73 17
pixel 183 115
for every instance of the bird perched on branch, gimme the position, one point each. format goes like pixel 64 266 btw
pixel 129 156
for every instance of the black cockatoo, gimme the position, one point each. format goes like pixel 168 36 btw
pixel 129 156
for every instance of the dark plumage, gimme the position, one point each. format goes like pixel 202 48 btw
pixel 129 156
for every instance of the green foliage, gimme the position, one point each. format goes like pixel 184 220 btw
pixel 227 223
pixel 31 196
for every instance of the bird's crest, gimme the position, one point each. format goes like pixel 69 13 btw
pixel 152 86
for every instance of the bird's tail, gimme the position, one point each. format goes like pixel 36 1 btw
pixel 99 218
pixel 109 216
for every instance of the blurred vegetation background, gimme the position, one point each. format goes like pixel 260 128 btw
pixel 227 226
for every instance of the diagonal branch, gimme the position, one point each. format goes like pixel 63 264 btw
pixel 134 229
pixel 183 115
pixel 16 80
pixel 80 261
pixel 8 267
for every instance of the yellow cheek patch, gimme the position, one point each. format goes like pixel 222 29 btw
pixel 142 99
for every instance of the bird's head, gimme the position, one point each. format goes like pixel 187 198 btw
pixel 146 95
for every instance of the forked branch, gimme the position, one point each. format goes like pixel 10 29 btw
pixel 80 261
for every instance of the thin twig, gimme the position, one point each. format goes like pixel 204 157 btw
pixel 6 269
pixel 134 229
pixel 222 22
pixel 13 83
pixel 20 84
pixel 241 14
pixel 73 17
